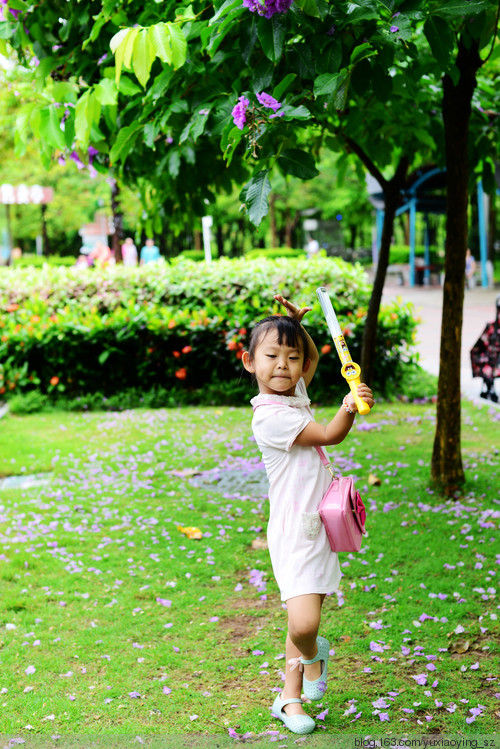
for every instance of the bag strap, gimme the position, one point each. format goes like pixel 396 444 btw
pixel 320 451
pixel 324 459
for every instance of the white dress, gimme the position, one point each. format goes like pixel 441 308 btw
pixel 302 559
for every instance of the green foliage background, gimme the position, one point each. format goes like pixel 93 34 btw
pixel 181 326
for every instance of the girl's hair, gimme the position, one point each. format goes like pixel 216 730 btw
pixel 289 331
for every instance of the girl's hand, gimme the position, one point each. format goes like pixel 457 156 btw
pixel 291 309
pixel 365 393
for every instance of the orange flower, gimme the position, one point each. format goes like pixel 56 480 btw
pixel 53 318
pixel 187 349
pixel 54 380
pixel 5 338
pixel 326 348
pixel 243 331
pixel 12 307
pixel 177 354
pixel 239 354
pixel 181 374
pixel 232 345
pixel 171 324
pixel 35 318
pixel 2 390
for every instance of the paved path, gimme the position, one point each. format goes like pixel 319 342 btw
pixel 479 309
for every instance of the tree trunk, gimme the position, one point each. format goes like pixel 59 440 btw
pixel 392 196
pixel 353 230
pixel 45 236
pixel 369 342
pixel 447 469
pixel 220 241
pixel 290 226
pixel 116 209
pixel 272 220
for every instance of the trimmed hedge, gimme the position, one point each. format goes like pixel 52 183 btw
pixel 181 327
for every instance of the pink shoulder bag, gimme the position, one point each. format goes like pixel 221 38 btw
pixel 342 511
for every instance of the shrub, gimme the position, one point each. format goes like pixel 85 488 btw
pixel 38 261
pixel 400 254
pixel 181 328
pixel 274 252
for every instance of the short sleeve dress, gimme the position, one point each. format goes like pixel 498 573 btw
pixel 302 559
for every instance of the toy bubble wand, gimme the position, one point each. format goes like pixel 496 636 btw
pixel 350 370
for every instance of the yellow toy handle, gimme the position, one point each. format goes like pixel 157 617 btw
pixel 351 372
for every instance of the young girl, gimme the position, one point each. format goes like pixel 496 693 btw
pixel 283 358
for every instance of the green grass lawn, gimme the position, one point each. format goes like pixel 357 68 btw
pixel 114 622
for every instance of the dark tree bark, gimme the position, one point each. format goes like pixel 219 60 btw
pixel 392 196
pixel 272 220
pixel 446 468
pixel 116 209
pixel 290 226
pixel 45 236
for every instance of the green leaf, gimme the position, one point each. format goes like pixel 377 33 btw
pixel 340 95
pixel 227 6
pixel 142 56
pixel 168 43
pixel 298 163
pixel 326 84
pixel 64 92
pixel 178 45
pixel 6 30
pixel 271 32
pixel 459 8
pixel 50 127
pixel 361 52
pixel 382 83
pixel 117 40
pixel 129 45
pixel 424 137
pixel 441 39
pixel 106 92
pixel 295 113
pixel 283 85
pixel 357 12
pixel 128 87
pixel 87 114
pixel 160 39
pixel 122 45
pixel 255 196
pixel 308 6
pixel 124 142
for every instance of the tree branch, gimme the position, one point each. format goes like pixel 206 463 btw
pixel 365 159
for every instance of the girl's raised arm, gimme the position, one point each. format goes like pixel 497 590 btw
pixel 298 314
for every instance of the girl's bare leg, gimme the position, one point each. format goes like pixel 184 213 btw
pixel 304 615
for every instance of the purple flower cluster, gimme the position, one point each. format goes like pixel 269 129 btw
pixel 4 7
pixel 239 112
pixel 267 8
pixel 268 101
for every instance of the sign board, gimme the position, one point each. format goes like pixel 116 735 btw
pixel 25 194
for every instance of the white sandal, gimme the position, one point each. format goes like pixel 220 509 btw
pixel 296 723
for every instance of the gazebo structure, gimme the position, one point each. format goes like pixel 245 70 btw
pixel 427 194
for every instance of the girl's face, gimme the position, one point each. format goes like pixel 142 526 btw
pixel 277 367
